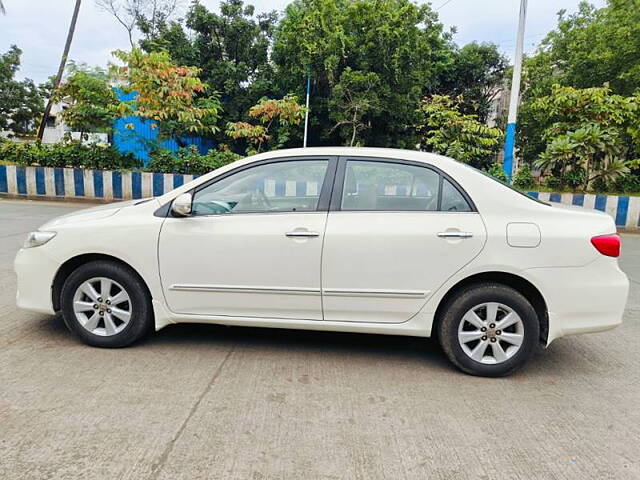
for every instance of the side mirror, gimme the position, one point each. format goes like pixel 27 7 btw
pixel 181 206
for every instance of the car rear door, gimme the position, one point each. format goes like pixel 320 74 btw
pixel 396 231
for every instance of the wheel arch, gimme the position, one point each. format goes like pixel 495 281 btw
pixel 520 284
pixel 74 262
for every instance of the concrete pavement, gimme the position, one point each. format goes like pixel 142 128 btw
pixel 216 402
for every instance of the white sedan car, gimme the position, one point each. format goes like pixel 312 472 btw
pixel 343 239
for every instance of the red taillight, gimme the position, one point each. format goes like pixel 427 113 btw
pixel 608 245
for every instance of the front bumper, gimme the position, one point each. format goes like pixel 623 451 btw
pixel 585 299
pixel 35 270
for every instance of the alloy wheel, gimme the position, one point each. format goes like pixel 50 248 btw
pixel 102 306
pixel 491 333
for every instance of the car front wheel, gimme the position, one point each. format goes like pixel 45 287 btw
pixel 489 329
pixel 106 304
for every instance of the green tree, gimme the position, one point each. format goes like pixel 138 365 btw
pixel 168 94
pixel 400 42
pixel 231 49
pixel 591 131
pixel 21 102
pixel 445 130
pixel 478 73
pixel 276 119
pixel 354 98
pixel 587 49
pixel 91 105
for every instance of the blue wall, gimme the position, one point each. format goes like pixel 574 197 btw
pixel 142 138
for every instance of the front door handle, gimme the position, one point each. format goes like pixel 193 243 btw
pixel 302 233
pixel 455 234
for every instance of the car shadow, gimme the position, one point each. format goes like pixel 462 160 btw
pixel 308 340
pixel 424 352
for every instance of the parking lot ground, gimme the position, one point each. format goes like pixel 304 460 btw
pixel 243 403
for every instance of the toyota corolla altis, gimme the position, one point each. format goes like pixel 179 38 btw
pixel 343 239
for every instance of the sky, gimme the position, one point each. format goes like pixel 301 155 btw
pixel 39 27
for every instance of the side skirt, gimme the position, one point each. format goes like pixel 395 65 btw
pixel 417 326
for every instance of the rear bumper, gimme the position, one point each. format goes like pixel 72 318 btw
pixel 35 270
pixel 585 299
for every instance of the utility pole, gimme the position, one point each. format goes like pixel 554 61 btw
pixel 509 144
pixel 63 63
pixel 306 113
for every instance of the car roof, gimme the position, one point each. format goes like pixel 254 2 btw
pixel 394 153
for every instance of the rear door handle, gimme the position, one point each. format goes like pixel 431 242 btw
pixel 302 233
pixel 455 234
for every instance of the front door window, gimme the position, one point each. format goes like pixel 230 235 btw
pixel 291 186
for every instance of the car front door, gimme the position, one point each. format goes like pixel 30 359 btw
pixel 396 231
pixel 252 244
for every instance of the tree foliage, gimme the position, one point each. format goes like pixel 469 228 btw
pixel 587 49
pixel 371 62
pixel 231 49
pixel 91 105
pixel 445 130
pixel 21 102
pixel 477 73
pixel 590 132
pixel 355 98
pixel 167 94
pixel 275 119
pixel 397 40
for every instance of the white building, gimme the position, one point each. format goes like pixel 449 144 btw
pixel 56 130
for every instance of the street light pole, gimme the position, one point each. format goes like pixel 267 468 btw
pixel 306 113
pixel 509 144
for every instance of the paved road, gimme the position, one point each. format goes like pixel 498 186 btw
pixel 216 402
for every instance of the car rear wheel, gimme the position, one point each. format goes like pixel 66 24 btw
pixel 106 304
pixel 489 329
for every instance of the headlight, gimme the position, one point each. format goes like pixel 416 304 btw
pixel 35 239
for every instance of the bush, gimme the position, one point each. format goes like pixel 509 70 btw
pixel 600 185
pixel 497 172
pixel 70 154
pixel 629 183
pixel 553 183
pixel 188 160
pixel 570 180
pixel 75 155
pixel 575 178
pixel 523 179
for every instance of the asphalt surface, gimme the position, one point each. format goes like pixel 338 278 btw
pixel 215 402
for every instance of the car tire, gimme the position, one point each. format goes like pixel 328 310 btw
pixel 123 316
pixel 471 335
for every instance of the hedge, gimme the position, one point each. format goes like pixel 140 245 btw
pixel 105 157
